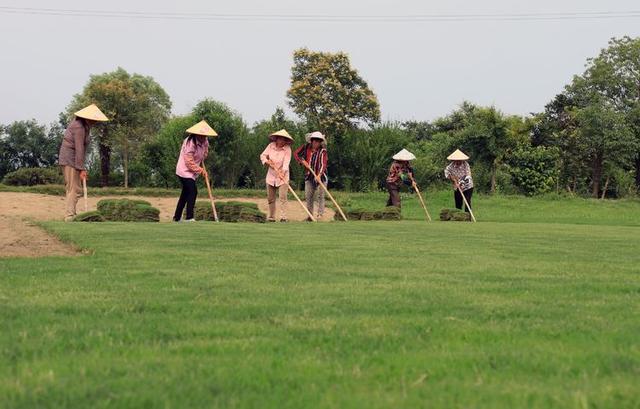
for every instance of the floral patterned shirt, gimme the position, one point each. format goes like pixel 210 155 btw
pixel 462 173
pixel 399 172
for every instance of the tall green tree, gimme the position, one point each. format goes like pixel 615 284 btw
pixel 595 121
pixel 137 107
pixel 368 154
pixel 329 94
pixel 488 139
pixel 258 139
pixel 159 155
pixel 484 133
pixel 615 76
pixel 607 139
pixel 556 127
pixel 28 144
pixel 226 163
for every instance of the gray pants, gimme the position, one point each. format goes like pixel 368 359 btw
pixel 310 194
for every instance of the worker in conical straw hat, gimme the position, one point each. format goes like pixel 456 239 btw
pixel 277 154
pixel 400 172
pixel 459 172
pixel 313 154
pixel 73 152
pixel 194 150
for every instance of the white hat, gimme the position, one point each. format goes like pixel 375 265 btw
pixel 458 155
pixel 404 155
pixel 315 135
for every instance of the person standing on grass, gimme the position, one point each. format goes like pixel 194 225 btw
pixel 313 155
pixel 73 152
pixel 195 149
pixel 459 172
pixel 277 155
pixel 399 172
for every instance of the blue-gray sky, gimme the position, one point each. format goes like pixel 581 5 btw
pixel 419 70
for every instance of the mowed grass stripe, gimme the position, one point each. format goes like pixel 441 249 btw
pixel 377 314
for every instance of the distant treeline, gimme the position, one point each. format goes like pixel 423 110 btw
pixel 587 140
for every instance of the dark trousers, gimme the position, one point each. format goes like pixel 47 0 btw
pixel 394 195
pixel 187 197
pixel 458 197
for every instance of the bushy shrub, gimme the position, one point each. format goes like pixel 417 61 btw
pixel 533 169
pixel 361 160
pixel 92 216
pixel 126 210
pixel 33 176
pixel 231 211
pixel 454 215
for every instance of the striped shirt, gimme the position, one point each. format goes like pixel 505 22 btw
pixel 317 160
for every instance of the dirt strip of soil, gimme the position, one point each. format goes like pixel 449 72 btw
pixel 20 238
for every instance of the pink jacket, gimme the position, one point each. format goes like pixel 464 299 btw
pixel 281 157
pixel 191 156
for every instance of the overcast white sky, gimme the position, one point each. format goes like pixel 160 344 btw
pixel 418 70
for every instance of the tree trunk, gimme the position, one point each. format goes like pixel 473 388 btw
pixel 596 175
pixel 105 164
pixel 494 170
pixel 604 189
pixel 125 163
pixel 638 171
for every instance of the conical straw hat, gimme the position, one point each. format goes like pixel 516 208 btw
pixel 458 155
pixel 202 128
pixel 283 133
pixel 93 113
pixel 404 155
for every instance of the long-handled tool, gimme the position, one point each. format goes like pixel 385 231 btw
pixel 213 205
pixel 466 203
pixel 424 206
pixel 327 192
pixel 84 192
pixel 281 176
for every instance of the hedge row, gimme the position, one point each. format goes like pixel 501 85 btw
pixel 33 176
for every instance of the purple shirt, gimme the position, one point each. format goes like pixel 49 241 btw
pixel 191 156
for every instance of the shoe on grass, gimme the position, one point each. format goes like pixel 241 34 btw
pixel 271 220
pixel 284 220
pixel 188 220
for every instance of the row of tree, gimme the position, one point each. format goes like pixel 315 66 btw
pixel 587 140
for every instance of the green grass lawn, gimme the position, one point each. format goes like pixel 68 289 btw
pixel 348 315
pixel 551 208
